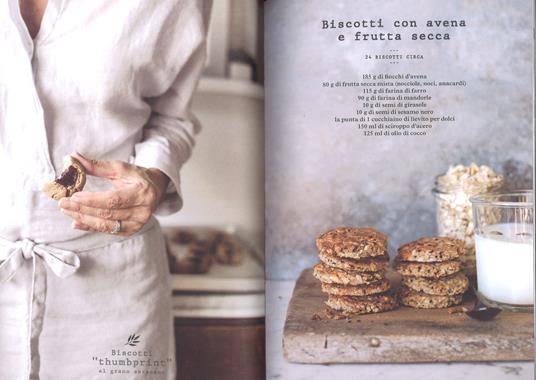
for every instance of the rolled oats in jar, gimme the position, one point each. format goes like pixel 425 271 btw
pixel 453 209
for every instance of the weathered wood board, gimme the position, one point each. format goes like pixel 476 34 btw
pixel 404 335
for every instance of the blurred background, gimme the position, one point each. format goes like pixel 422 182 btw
pixel 223 182
pixel 216 242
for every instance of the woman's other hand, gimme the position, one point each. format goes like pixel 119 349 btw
pixel 136 195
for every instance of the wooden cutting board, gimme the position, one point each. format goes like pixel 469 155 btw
pixel 404 335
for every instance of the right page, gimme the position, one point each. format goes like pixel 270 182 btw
pixel 399 188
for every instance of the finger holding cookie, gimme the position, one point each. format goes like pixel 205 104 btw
pixel 123 210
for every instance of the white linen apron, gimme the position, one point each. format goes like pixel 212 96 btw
pixel 112 79
pixel 78 327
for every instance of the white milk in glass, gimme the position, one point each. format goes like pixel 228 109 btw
pixel 505 263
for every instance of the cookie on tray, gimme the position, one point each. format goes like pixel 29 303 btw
pixel 327 274
pixel 359 290
pixel 419 300
pixel 376 264
pixel 347 306
pixel 353 242
pixel 431 249
pixel 428 270
pixel 189 259
pixel 445 286
pixel 226 249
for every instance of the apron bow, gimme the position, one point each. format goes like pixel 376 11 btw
pixel 61 262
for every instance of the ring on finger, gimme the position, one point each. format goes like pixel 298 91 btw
pixel 117 228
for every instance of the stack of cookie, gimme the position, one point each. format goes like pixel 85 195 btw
pixel 352 271
pixel 431 273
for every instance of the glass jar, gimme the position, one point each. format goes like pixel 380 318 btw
pixel 504 228
pixel 454 216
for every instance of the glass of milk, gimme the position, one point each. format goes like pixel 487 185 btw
pixel 504 240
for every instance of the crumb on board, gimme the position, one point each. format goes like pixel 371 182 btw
pixel 332 314
pixel 457 310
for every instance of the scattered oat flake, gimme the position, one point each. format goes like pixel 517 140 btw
pixel 458 310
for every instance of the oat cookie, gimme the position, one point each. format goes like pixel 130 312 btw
pixel 353 242
pixel 421 300
pixel 71 180
pixel 331 275
pixel 445 286
pixel 431 249
pixel 429 270
pixel 376 264
pixel 347 305
pixel 359 290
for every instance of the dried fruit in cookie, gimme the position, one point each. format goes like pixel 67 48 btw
pixel 71 180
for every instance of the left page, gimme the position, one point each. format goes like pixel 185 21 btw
pixel 131 241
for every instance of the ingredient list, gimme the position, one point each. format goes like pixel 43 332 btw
pixel 398 104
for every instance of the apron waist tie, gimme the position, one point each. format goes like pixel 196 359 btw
pixel 61 262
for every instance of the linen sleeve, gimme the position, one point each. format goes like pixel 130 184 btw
pixel 168 136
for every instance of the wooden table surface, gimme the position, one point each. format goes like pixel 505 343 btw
pixel 404 335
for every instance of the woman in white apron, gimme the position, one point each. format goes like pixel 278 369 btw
pixel 84 290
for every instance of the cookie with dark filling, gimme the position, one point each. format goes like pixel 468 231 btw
pixel 71 180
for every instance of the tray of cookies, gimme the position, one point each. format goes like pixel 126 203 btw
pixel 212 259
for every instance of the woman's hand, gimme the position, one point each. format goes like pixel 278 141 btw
pixel 137 193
